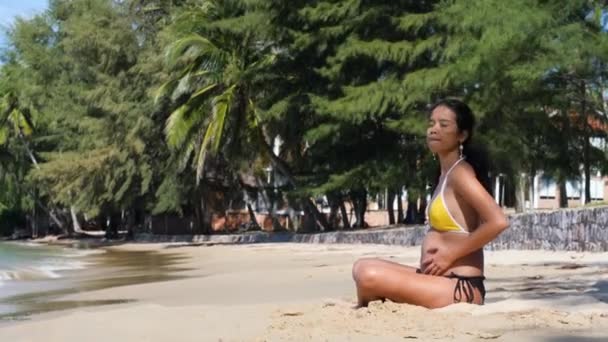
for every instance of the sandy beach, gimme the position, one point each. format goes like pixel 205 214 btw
pixel 302 292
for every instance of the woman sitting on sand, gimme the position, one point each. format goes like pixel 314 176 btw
pixel 463 217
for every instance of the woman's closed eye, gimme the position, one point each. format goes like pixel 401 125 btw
pixel 442 123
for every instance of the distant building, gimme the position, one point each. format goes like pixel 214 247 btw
pixel 544 192
pixel 547 194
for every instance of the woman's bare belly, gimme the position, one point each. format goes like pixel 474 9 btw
pixel 470 265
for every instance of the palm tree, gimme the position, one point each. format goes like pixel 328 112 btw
pixel 16 122
pixel 16 119
pixel 224 65
pixel 220 73
pixel 221 68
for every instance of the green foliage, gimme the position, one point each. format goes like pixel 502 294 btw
pixel 366 129
pixel 151 105
pixel 221 65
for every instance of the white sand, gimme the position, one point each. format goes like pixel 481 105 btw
pixel 297 292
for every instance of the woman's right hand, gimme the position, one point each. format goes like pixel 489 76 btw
pixel 437 261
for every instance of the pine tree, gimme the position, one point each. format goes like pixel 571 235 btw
pixel 361 141
pixel 505 58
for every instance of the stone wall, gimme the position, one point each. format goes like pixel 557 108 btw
pixel 570 229
pixel 405 236
pixel 583 229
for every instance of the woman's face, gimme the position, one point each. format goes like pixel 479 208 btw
pixel 442 134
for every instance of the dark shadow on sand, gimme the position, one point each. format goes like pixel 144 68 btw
pixel 113 268
pixel 553 287
pixel 575 338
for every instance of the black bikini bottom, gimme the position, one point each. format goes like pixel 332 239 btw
pixel 465 285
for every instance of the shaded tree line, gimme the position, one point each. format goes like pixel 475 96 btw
pixel 115 111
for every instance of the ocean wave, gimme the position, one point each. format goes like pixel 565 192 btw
pixel 50 270
pixel 83 252
pixel 66 251
pixel 28 274
pixel 32 261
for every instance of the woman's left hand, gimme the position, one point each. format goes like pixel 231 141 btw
pixel 437 261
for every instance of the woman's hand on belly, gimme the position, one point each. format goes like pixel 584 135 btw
pixel 437 248
pixel 437 259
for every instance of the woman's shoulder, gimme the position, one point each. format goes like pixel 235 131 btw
pixel 463 174
pixel 463 170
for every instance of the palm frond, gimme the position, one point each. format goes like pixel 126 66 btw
pixel 221 108
pixel 22 122
pixel 164 89
pixel 178 126
pixel 202 153
pixel 204 91
pixel 190 46
pixel 253 117
pixel 3 135
pixel 261 65
pixel 184 155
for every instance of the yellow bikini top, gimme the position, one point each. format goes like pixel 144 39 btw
pixel 438 214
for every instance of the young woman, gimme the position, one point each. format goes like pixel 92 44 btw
pixel 462 215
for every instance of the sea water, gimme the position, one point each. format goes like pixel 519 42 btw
pixel 29 267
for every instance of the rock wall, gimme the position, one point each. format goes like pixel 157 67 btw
pixel 584 229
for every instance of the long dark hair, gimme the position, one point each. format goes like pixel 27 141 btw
pixel 475 155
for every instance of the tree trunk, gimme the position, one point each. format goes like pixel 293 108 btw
pixel 78 229
pixel 34 223
pixel 389 206
pixel 355 210
pixel 253 223
pixel 421 215
pixel 270 202
pixel 400 218
pixel 276 223
pixel 53 217
pixel 410 217
pixel 112 228
pixel 206 215
pixel 198 218
pixel 586 144
pixel 587 170
pixel 334 205
pixel 130 223
pixel 199 206
pixel 333 216
pixel 563 193
pixel 50 212
pixel 360 206
pixel 531 190
pixel 520 196
pixel 319 217
pixel 294 209
pixel 29 151
pixel 344 214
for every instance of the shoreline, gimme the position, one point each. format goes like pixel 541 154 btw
pixel 290 291
pixel 103 267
